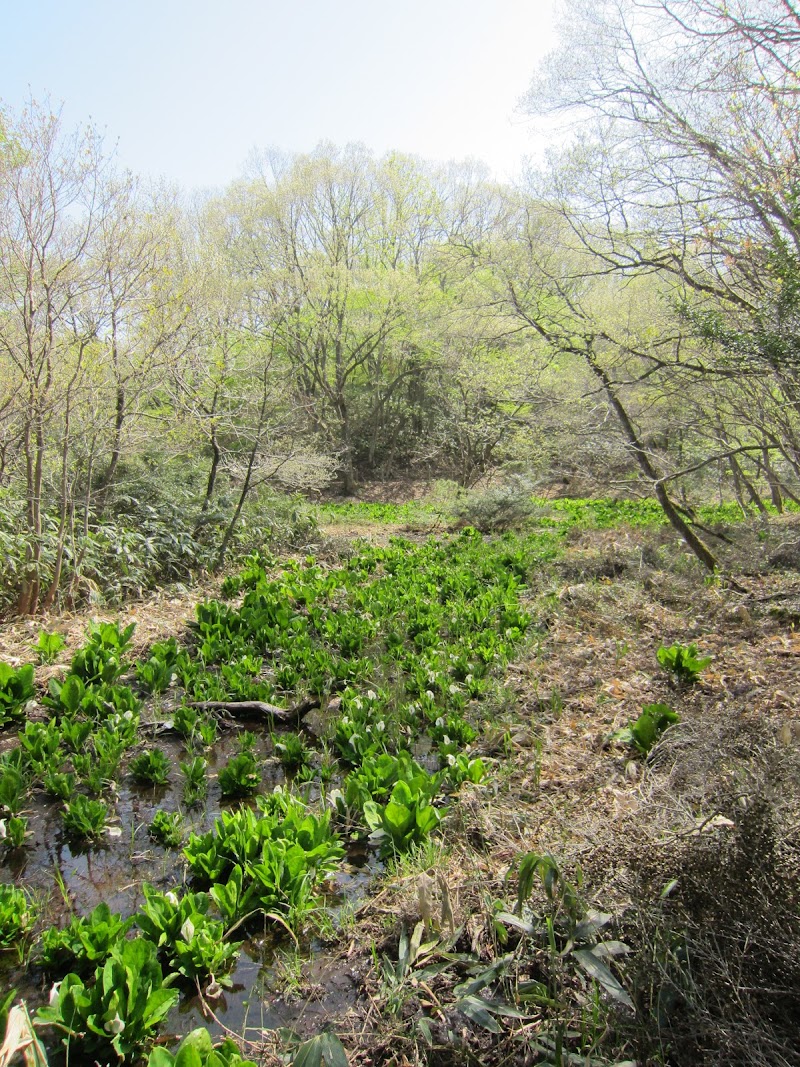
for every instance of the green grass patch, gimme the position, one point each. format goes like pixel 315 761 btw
pixel 412 513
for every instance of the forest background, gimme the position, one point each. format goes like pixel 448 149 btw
pixel 624 321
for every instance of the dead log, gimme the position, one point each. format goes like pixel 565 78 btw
pixel 244 708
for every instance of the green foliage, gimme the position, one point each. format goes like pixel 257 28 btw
pixel 162 914
pixel 240 776
pixel 324 1049
pixel 683 661
pixel 17 914
pixel 191 942
pixel 85 819
pixel 151 766
pixel 234 898
pixel 101 658
pixel 14 831
pixel 40 741
pixel 568 929
pixel 141 547
pixel 75 732
pixel 96 701
pixel 6 1000
pixel 270 862
pixel 651 724
pixel 167 829
pixel 60 784
pixel 500 508
pixel 186 721
pixel 207 732
pixel 412 513
pixel 460 768
pixel 406 819
pixel 97 776
pixel 49 645
pixel 118 1012
pixel 13 789
pixel 16 689
pixel 282 880
pixel 195 782
pixel 378 774
pixel 197 1050
pixel 156 673
pixel 85 943
pixel 292 750
pixel 603 514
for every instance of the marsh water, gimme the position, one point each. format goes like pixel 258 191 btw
pixel 67 880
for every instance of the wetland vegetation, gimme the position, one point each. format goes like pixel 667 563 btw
pixel 398 574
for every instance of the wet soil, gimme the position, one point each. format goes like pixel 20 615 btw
pixel 65 879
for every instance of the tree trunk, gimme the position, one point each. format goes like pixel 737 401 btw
pixel 638 451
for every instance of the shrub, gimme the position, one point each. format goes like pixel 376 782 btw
pixel 500 508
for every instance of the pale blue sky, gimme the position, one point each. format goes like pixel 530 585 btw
pixel 187 88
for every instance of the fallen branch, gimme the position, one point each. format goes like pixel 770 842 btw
pixel 259 707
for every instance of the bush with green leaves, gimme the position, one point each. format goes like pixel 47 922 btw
pixel 406 820
pixel 193 944
pixel 240 777
pixel 167 829
pixel 683 661
pixel 501 507
pixel 116 1013
pixel 101 659
pixel 150 767
pixel 85 943
pixel 16 689
pixel 85 820
pixel 48 646
pixel 197 1050
pixel 17 914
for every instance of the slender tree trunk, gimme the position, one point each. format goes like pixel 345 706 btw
pixel 216 457
pixel 772 482
pixel 63 507
pixel 28 601
pixel 638 451
pixel 248 478
pixel 231 527
pixel 739 477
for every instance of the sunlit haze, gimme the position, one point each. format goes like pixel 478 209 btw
pixel 187 90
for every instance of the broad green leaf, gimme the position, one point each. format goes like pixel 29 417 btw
pixel 600 972
pixel 476 1009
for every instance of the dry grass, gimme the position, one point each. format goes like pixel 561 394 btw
pixel 713 817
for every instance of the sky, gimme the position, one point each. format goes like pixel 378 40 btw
pixel 186 90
